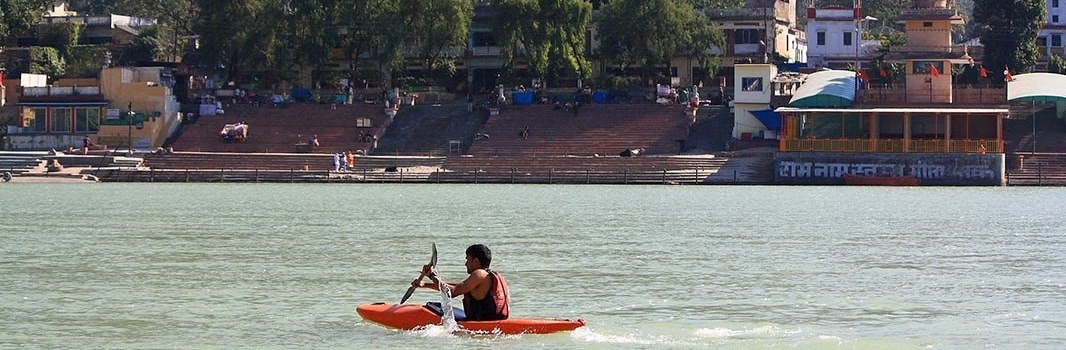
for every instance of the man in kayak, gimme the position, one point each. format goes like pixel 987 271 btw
pixel 485 293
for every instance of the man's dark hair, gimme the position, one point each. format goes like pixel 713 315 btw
pixel 481 253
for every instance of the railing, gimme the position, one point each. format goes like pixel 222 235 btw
pixel 475 176
pixel 932 48
pixel 892 146
pixel 961 95
pixel 41 91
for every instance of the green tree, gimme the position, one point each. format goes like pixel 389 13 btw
pixel 1056 64
pixel 305 36
pixel 551 33
pixel 431 31
pixel 650 33
pixel 19 15
pixel 238 35
pixel 719 4
pixel 148 45
pixel 1010 31
pixel 62 36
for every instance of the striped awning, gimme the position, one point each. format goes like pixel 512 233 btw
pixel 830 88
pixel 1037 87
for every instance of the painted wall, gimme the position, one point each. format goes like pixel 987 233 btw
pixel 744 121
pixel 142 88
pixel 745 72
pixel 34 142
pixel 936 90
pixel 930 169
pixel 936 35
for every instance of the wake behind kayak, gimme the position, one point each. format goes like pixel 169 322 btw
pixel 410 316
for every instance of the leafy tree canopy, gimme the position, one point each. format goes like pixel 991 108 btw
pixel 19 15
pixel 649 33
pixel 1010 29
pixel 550 32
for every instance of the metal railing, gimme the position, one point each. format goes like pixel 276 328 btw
pixel 475 176
pixel 892 146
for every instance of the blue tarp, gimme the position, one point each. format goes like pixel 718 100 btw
pixel 523 98
pixel 599 96
pixel 768 117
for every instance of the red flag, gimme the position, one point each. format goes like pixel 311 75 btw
pixel 933 71
pixel 1006 75
pixel 883 72
pixel 984 72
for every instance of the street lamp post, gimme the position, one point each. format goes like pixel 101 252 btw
pixel 858 43
pixel 129 129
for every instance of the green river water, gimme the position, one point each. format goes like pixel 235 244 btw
pixel 649 267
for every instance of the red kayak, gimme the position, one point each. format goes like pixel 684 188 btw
pixel 411 316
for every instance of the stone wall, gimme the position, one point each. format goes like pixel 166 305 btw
pixel 930 169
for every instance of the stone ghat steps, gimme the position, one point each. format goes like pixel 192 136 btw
pixel 277 162
pixel 1041 169
pixel 288 130
pixel 20 164
pixel 597 129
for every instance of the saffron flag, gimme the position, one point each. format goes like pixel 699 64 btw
pixel 933 71
pixel 863 75
pixel 1006 75
pixel 883 72
pixel 984 72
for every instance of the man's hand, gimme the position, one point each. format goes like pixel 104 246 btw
pixel 427 270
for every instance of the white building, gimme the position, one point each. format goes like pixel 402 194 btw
pixel 833 38
pixel 1053 32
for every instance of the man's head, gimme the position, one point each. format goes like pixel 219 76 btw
pixel 478 256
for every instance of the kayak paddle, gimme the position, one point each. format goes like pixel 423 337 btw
pixel 433 263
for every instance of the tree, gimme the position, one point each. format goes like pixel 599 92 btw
pixel 432 31
pixel 238 35
pixel 1056 64
pixel 650 33
pixel 1010 31
pixel 19 15
pixel 550 32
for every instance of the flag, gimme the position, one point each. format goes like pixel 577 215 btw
pixel 883 72
pixel 933 71
pixel 984 72
pixel 1006 75
pixel 863 75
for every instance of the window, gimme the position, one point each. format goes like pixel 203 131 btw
pixel 927 24
pixel 34 119
pixel 1055 19
pixel 61 120
pixel 751 84
pixel 1054 3
pixel 847 38
pixel 1056 40
pixel 746 36
pixel 821 38
pixel 87 119
pixel 1041 41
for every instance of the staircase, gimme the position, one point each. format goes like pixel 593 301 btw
pixel 1040 169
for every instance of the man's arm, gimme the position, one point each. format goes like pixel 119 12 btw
pixel 475 279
